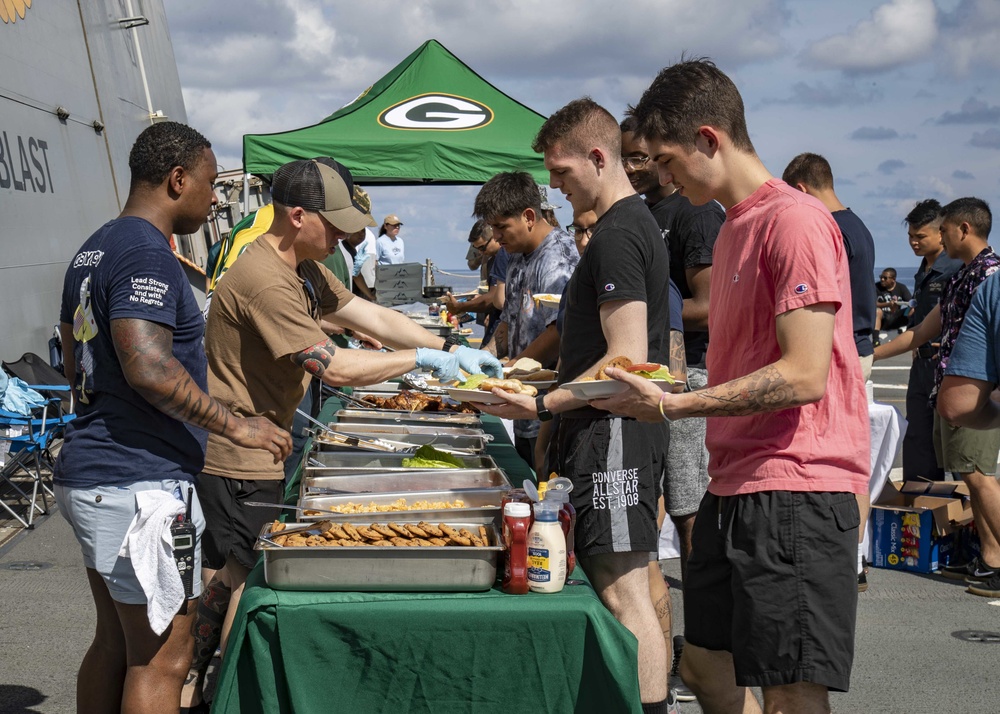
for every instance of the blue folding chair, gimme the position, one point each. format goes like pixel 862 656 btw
pixel 27 441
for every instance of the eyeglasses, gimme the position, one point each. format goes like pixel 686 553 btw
pixel 575 230
pixel 634 163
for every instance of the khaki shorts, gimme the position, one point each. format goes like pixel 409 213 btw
pixel 962 451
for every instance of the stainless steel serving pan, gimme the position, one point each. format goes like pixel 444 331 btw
pixel 375 462
pixel 322 481
pixel 383 568
pixel 396 416
pixel 481 506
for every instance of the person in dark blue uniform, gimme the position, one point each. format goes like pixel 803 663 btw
pixel 936 268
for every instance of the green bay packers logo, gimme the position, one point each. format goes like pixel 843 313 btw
pixel 436 112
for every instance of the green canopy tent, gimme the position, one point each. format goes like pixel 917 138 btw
pixel 430 120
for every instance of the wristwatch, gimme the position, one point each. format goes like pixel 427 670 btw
pixel 543 413
pixel 450 341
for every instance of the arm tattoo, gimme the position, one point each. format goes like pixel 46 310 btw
pixel 677 361
pixel 145 351
pixel 317 358
pixel 765 390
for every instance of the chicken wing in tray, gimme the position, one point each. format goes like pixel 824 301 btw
pixel 410 401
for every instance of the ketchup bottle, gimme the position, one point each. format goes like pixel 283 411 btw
pixel 516 522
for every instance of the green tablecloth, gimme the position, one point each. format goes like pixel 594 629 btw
pixel 445 653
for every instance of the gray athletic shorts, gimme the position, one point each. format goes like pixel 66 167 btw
pixel 101 516
pixel 686 478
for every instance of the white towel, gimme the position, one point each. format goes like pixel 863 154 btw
pixel 149 545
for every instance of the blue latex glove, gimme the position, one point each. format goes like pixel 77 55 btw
pixel 443 365
pixel 478 362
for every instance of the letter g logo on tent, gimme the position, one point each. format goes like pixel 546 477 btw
pixel 436 112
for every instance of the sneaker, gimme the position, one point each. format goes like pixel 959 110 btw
pixel 676 684
pixel 986 588
pixel 672 706
pixel 982 573
pixel 974 568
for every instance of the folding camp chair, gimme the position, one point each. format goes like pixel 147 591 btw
pixel 26 442
pixel 43 378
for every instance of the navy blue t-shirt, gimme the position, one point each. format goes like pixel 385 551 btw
pixel 860 248
pixel 498 270
pixel 127 270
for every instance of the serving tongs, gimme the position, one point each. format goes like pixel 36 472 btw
pixel 355 441
pixel 350 399
pixel 312 529
pixel 300 509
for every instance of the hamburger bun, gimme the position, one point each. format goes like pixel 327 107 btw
pixel 619 362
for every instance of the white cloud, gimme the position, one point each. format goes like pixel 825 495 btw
pixel 970 35
pixel 896 34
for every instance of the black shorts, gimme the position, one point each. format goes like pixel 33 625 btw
pixel 772 578
pixel 615 465
pixel 230 527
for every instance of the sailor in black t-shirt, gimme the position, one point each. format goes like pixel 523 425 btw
pixel 617 304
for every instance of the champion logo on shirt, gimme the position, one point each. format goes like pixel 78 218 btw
pixel 736 278
pixel 801 289
pixel 609 287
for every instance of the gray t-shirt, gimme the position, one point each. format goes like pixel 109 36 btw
pixel 546 269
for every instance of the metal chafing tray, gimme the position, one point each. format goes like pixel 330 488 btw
pixel 473 440
pixel 364 462
pixel 323 481
pixel 383 568
pixel 481 506
pixel 396 416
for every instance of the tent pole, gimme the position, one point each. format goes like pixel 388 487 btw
pixel 430 273
pixel 246 194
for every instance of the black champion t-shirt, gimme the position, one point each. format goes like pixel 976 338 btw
pixel 690 232
pixel 626 259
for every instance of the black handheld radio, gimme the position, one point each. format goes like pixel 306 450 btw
pixel 184 534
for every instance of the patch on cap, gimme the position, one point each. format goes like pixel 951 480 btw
pixel 321 185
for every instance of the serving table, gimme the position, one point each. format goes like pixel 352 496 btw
pixel 395 653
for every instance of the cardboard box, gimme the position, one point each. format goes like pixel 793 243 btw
pixel 913 521
pixel 400 270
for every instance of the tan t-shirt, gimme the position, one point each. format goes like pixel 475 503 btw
pixel 260 314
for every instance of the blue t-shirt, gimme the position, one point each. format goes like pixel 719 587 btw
pixel 127 270
pixel 976 354
pixel 498 271
pixel 860 249
pixel 389 251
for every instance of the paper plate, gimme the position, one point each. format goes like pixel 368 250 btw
pixel 600 388
pixel 476 396
pixel 547 299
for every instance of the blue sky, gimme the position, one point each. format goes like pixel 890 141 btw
pixel 900 95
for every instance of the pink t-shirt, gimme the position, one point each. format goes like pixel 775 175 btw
pixel 779 250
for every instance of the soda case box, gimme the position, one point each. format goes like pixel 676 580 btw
pixel 962 546
pixel 913 520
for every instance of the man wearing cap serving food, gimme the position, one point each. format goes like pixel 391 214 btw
pixel 389 246
pixel 265 343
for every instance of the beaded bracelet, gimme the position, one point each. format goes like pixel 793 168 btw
pixel 665 417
